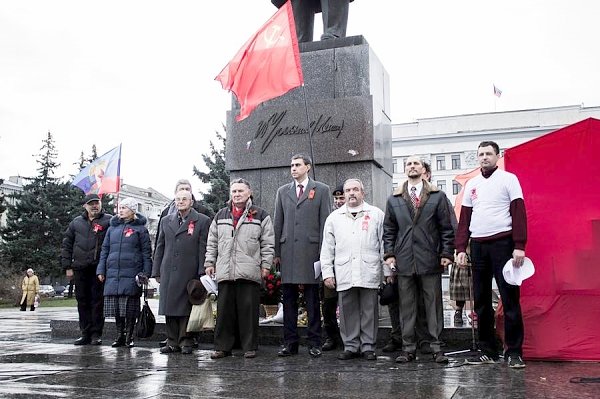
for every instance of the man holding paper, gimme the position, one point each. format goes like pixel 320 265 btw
pixel 301 208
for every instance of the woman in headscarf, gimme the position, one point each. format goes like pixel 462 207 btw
pixel 30 288
pixel 125 261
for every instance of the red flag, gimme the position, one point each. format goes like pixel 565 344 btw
pixel 267 66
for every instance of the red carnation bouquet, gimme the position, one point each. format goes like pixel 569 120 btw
pixel 270 292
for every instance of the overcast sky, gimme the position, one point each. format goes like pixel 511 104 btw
pixel 142 73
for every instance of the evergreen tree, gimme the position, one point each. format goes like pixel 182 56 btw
pixel 218 177
pixel 35 224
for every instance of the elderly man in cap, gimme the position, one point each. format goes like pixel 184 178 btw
pixel 80 252
pixel 178 259
pixel 240 254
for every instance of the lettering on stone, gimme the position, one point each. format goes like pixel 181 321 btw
pixel 274 126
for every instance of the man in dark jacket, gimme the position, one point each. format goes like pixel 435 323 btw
pixel 179 258
pixel 80 252
pixel 418 242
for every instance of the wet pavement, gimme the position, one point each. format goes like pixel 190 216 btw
pixel 34 364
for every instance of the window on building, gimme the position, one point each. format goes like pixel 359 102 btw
pixel 455 187
pixel 441 185
pixel 440 162
pixel 396 160
pixel 456 161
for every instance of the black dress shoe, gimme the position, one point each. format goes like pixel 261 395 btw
pixel 329 345
pixel 162 344
pixel 186 350
pixel 370 355
pixel 82 341
pixel 314 351
pixel 288 350
pixel 96 341
pixel 347 355
pixel 392 346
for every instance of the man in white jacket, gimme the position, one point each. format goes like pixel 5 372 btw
pixel 351 261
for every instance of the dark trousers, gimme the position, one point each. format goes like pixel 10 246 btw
pixel 290 314
pixel 24 306
pixel 421 323
pixel 330 304
pixel 334 13
pixel 430 287
pixel 90 301
pixel 237 313
pixel 177 334
pixel 488 259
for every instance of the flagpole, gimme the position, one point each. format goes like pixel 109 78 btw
pixel 312 155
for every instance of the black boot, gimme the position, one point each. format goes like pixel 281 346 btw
pixel 120 341
pixel 130 329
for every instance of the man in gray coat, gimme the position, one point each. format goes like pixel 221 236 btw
pixel 179 258
pixel 301 208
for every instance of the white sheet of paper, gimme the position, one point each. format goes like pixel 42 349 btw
pixel 317 266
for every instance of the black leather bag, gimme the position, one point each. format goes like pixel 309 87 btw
pixel 144 327
pixel 388 293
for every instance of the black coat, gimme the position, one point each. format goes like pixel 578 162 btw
pixel 126 251
pixel 179 258
pixel 418 239
pixel 82 241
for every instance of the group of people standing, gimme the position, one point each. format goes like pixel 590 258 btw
pixel 356 246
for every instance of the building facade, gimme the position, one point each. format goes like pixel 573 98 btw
pixel 450 143
pixel 13 185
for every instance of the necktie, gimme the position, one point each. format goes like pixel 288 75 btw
pixel 301 191
pixel 413 197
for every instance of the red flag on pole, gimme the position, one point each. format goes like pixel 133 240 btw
pixel 267 66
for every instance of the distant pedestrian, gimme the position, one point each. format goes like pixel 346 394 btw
pixel 239 255
pixel 125 263
pixel 179 258
pixel 80 254
pixel 31 289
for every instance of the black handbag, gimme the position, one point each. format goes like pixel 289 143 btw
pixel 144 327
pixel 388 293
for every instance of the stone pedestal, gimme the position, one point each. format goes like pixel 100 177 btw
pixel 346 94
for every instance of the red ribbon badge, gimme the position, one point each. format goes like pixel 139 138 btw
pixel 190 228
pixel 129 232
pixel 311 194
pixel 97 227
pixel 365 223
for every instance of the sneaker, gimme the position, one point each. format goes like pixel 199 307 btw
pixel 483 359
pixel 458 319
pixel 515 362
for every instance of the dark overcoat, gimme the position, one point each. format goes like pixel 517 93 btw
pixel 179 258
pixel 299 226
pixel 418 239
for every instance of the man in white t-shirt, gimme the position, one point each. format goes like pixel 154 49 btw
pixel 493 216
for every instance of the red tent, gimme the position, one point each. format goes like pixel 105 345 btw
pixel 560 177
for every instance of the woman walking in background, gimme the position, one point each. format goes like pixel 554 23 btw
pixel 31 289
pixel 125 262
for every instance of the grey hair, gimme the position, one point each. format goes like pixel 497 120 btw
pixel 360 183
pixel 180 182
pixel 241 181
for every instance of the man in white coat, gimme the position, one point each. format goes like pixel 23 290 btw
pixel 352 263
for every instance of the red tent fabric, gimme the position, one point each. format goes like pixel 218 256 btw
pixel 561 303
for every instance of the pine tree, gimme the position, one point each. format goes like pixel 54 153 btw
pixel 35 224
pixel 218 177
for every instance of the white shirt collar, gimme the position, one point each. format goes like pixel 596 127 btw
pixel 303 182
